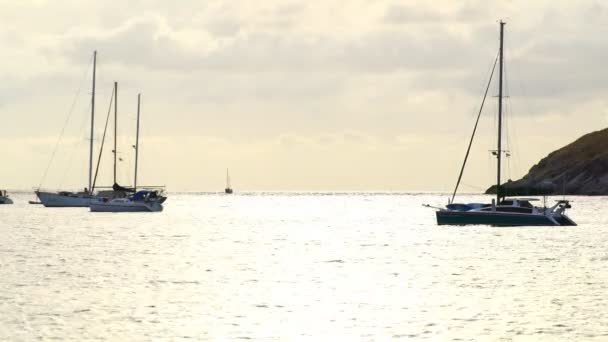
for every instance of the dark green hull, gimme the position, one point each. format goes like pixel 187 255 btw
pixel 460 218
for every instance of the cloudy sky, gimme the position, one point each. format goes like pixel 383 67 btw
pixel 295 95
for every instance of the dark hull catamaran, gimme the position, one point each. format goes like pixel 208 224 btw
pixel 515 212
pixel 502 211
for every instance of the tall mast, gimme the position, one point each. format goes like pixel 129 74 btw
pixel 92 125
pixel 115 125
pixel 499 150
pixel 227 179
pixel 137 142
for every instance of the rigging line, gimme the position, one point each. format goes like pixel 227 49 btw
pixel 508 122
pixel 72 152
pixel 103 139
pixel 508 110
pixel 510 128
pixel 512 136
pixel 48 166
pixel 464 163
pixel 475 187
pixel 506 119
pixel 527 110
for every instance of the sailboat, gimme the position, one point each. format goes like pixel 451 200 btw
pixel 4 198
pixel 140 201
pixel 501 211
pixel 116 190
pixel 228 189
pixel 68 198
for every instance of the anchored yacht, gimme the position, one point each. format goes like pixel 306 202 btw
pixel 502 211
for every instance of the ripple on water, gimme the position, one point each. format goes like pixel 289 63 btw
pixel 180 273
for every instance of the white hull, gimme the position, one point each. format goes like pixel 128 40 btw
pixel 53 199
pixel 125 205
pixel 5 200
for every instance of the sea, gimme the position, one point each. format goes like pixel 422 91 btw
pixel 298 266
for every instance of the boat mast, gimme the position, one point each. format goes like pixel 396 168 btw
pixel 92 125
pixel 227 179
pixel 136 143
pixel 115 125
pixel 499 150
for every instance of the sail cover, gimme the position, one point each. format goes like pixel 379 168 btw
pixel 117 187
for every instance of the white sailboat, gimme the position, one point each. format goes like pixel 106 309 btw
pixel 68 198
pixel 116 190
pixel 140 201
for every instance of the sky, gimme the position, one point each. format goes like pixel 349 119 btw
pixel 294 95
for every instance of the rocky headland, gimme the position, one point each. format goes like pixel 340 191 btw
pixel 580 168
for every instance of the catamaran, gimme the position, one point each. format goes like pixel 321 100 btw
pixel 140 201
pixel 501 211
pixel 68 198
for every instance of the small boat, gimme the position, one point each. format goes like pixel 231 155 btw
pixel 34 202
pixel 501 211
pixel 4 198
pixel 228 189
pixel 140 201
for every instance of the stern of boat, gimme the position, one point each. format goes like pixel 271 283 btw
pixel 564 220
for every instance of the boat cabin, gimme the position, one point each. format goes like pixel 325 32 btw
pixel 507 205
pixel 514 205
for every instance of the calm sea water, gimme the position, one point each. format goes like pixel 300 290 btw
pixel 298 267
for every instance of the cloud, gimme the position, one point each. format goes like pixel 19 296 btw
pixel 316 86
pixel 416 13
pixel 150 43
pixel 402 13
pixel 139 42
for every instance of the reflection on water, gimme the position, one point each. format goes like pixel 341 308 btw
pixel 298 266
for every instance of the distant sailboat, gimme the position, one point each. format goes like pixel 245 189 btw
pixel 228 189
pixel 502 211
pixel 140 201
pixel 68 198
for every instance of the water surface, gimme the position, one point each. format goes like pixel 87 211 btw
pixel 289 266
